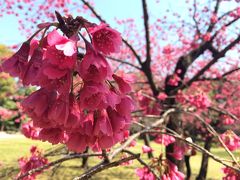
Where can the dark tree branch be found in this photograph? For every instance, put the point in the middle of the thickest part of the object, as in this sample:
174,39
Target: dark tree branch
212,24
221,77
194,17
143,163
213,61
105,165
66,158
147,36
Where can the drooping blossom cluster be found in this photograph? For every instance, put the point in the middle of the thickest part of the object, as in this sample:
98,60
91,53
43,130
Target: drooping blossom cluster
80,102
231,140
26,164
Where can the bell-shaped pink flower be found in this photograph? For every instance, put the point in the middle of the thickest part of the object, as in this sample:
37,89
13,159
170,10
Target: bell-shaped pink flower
94,66
93,96
17,64
123,86
52,135
36,106
77,142
105,39
34,65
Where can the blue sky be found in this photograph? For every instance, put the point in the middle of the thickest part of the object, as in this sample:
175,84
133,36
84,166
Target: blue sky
109,9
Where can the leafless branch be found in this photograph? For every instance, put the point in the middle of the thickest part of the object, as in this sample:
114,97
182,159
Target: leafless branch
105,165
66,158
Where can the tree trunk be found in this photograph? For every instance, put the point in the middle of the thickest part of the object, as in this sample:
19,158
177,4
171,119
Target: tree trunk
175,124
204,165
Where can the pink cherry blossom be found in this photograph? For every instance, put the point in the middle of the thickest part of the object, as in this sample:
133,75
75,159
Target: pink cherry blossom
162,96
146,149
230,174
164,139
26,164
145,174
172,173
123,86
17,64
200,100
231,140
52,135
105,39
94,67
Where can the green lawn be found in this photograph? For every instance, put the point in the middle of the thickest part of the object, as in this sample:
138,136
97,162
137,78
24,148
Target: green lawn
12,149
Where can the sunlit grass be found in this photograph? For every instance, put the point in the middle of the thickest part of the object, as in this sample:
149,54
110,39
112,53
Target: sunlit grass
13,148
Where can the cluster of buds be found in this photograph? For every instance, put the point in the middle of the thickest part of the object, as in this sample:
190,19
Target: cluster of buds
80,102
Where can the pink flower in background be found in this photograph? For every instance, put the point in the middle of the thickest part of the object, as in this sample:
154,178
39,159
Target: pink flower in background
230,174
125,163
105,39
200,100
164,139
172,173
231,140
227,120
174,80
17,64
178,152
26,164
144,174
162,96
146,149
168,49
